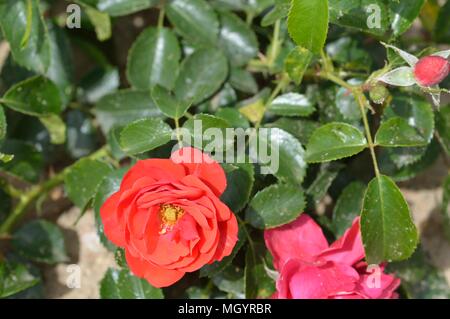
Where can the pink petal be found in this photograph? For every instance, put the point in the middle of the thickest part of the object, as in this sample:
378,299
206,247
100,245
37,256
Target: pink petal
348,249
308,281
302,239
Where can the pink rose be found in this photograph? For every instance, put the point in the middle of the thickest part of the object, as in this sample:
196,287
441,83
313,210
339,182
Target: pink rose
309,268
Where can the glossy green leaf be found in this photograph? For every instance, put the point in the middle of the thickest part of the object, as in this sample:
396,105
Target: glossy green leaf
396,132
83,179
35,55
154,59
201,75
291,104
124,7
98,83
297,62
348,207
40,241
300,128
371,16
233,117
34,96
237,40
403,14
121,284
334,141
279,11
144,135
388,231
347,105
27,162
275,206
100,20
308,23
200,131
15,278
169,104
231,281
240,179
124,107
285,157
195,20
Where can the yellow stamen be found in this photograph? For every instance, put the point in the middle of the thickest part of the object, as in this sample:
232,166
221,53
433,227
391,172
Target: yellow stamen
169,215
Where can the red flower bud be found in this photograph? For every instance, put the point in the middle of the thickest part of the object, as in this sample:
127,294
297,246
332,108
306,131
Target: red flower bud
431,70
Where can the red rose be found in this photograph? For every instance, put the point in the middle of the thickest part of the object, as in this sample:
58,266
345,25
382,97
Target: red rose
168,216
431,70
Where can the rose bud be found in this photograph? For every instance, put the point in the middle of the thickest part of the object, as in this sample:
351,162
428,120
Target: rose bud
431,70
168,216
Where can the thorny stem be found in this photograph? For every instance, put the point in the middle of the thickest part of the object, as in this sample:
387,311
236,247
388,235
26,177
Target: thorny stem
26,199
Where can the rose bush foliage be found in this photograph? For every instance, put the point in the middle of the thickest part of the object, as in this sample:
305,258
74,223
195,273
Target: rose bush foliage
352,94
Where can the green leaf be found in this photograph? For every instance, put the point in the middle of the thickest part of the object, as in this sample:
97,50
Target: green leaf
201,128
243,81
279,11
83,180
109,185
40,241
15,278
34,96
237,39
201,75
154,59
168,103
240,179
346,103
334,141
319,187
275,206
291,104
35,55
300,128
388,231
357,13
144,135
420,279
396,132
195,20
121,284
56,127
233,116
124,107
287,156
231,281
403,14
297,62
27,162
308,23
100,21
117,8
348,207
442,27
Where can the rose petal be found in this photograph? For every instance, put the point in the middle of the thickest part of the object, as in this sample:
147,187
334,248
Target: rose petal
202,166
302,239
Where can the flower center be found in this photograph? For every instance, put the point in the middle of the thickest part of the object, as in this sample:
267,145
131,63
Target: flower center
169,215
